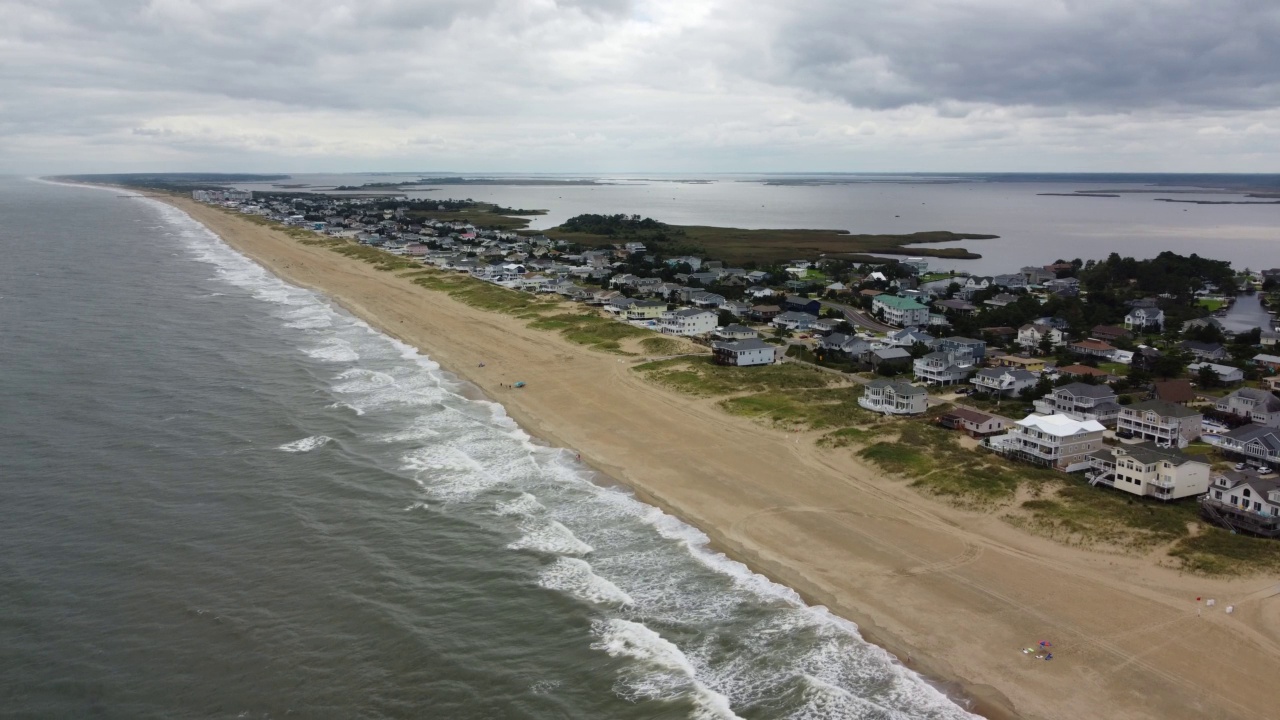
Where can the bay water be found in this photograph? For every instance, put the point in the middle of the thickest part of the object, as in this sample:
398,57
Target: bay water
225,497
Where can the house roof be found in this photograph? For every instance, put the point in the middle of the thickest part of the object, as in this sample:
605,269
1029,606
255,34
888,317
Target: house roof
1269,359
1196,346
692,312
892,354
1164,408
736,328
1270,403
1148,453
1017,374
901,303
1060,425
1110,330
1097,392
739,345
797,300
1176,391
899,388
1092,344
972,416
1082,370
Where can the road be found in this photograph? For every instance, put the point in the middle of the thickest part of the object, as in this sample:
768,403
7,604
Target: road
858,317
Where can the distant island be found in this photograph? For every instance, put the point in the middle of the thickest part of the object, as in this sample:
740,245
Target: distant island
742,245
1079,194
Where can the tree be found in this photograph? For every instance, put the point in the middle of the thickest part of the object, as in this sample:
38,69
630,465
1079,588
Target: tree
1207,377
1046,344
724,317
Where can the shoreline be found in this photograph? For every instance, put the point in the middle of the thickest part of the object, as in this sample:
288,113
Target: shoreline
350,283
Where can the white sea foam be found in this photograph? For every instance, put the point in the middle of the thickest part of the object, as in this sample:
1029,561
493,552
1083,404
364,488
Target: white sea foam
660,671
662,566
345,406
525,504
306,444
549,537
417,506
575,577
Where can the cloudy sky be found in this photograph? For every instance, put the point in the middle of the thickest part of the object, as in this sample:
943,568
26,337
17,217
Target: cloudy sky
636,85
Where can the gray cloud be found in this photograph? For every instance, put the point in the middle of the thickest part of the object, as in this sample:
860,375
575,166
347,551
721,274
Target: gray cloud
638,84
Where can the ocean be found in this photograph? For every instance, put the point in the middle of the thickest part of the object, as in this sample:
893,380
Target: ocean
225,497
1035,223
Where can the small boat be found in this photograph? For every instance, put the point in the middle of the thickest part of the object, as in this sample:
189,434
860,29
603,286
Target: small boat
519,384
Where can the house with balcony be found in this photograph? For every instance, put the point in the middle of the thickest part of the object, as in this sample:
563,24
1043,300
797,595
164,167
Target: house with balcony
1082,402
1260,406
1141,319
1032,334
894,398
900,311
854,347
1005,381
1205,352
1148,470
743,353
1243,502
1160,422
1020,362
1258,443
908,337
792,320
944,368
1057,441
687,322
736,332
975,348
643,310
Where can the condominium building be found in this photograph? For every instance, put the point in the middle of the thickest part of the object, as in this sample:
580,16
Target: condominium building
900,311
1161,422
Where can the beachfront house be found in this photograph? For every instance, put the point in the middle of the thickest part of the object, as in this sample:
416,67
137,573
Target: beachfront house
1148,470
894,398
645,310
1058,441
1242,501
1004,381
744,352
1082,402
687,322
1161,422
1259,443
900,311
972,422
944,367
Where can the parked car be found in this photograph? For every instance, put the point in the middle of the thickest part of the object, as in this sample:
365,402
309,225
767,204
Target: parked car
1240,466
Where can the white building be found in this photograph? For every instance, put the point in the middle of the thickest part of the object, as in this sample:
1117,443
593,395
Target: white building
1161,422
744,352
1056,440
1151,471
944,368
1260,406
894,398
1032,334
900,311
688,321
1144,319
1004,381
1225,373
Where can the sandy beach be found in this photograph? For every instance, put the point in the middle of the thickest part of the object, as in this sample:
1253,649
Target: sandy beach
955,594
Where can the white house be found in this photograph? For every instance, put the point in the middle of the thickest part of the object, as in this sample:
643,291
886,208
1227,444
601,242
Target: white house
1057,440
793,320
1143,318
1161,422
900,311
1151,471
1004,381
1260,406
1243,501
894,398
1082,402
944,368
687,321
736,332
744,352
1032,334
1225,373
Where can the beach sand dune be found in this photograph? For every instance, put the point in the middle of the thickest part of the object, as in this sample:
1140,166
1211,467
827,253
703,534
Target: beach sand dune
960,593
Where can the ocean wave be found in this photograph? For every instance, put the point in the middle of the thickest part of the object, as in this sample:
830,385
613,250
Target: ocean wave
306,444
660,671
574,577
550,537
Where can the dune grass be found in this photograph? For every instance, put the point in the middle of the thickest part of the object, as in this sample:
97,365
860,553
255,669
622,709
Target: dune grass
590,329
814,409
661,346
701,377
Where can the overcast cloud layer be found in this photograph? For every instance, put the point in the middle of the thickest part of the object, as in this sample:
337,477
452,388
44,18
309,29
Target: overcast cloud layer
636,85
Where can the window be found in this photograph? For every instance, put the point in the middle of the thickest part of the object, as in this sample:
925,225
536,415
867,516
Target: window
1217,494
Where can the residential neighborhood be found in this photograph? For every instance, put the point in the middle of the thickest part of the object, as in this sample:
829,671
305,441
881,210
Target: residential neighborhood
1075,366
